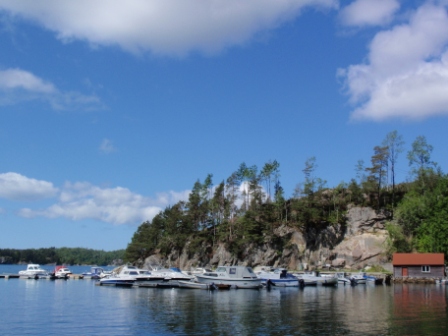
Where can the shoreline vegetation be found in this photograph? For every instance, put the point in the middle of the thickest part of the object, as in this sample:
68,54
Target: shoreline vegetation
249,209
61,256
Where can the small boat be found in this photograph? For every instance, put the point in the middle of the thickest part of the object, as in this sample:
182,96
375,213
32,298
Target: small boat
61,272
116,280
230,275
172,274
314,278
140,275
278,277
342,279
358,278
94,273
373,279
33,271
195,285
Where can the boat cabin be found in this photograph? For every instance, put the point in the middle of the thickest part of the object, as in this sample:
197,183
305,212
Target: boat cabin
418,265
233,272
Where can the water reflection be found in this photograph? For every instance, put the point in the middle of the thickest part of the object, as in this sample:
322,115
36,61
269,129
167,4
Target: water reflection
79,308
419,309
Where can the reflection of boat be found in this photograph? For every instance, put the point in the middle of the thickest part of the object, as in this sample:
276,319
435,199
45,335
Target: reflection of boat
230,275
250,286
278,277
34,271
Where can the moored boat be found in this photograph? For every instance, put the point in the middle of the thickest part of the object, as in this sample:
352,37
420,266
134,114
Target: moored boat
358,278
94,273
230,275
116,280
373,279
278,277
33,271
194,285
314,278
61,272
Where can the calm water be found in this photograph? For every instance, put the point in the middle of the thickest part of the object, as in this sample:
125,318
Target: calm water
78,307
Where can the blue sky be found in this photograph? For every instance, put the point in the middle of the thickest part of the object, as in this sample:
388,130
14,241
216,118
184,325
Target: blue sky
111,110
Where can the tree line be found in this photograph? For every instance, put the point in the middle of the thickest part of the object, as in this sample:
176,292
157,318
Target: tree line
61,256
249,206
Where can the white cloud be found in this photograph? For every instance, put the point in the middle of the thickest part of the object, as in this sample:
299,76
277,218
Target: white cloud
20,79
369,12
118,205
18,85
17,187
107,146
406,74
173,27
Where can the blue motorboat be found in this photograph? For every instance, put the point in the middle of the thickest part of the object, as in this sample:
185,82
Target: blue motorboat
278,277
94,273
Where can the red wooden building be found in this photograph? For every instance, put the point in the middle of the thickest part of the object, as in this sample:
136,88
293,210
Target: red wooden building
419,265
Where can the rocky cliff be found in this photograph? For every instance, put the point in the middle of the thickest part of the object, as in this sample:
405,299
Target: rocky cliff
358,243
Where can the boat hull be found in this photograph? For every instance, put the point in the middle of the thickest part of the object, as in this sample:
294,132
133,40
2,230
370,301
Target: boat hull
241,282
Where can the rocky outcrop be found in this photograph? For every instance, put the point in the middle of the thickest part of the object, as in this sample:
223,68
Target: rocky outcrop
358,243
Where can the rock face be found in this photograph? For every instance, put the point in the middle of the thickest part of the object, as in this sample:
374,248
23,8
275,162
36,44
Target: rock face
359,243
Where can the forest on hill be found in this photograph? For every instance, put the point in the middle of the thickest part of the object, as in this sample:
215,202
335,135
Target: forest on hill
61,256
250,205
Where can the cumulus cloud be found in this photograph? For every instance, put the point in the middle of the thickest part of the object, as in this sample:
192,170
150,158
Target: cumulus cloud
406,73
20,79
368,12
18,85
173,27
17,187
81,200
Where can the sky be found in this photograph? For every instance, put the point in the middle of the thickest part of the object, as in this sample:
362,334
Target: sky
111,110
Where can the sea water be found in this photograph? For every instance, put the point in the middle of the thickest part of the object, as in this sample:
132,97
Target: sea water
79,307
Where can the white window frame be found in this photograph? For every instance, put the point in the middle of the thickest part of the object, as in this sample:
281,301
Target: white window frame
426,269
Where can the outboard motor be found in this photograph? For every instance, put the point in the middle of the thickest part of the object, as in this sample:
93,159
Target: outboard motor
301,283
353,282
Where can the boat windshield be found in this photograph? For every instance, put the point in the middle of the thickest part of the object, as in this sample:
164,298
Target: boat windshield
221,269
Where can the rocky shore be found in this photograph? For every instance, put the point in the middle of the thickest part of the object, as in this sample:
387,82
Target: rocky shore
359,243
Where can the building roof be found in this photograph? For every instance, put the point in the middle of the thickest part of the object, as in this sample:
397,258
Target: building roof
417,259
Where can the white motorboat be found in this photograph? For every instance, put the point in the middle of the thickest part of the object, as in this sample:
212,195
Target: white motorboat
278,277
170,274
117,280
33,271
359,278
140,275
314,278
195,285
342,279
62,272
240,276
